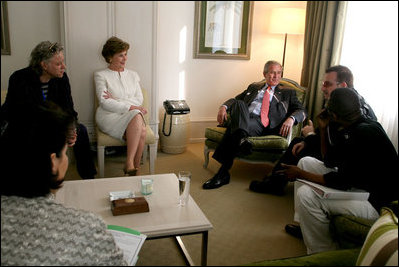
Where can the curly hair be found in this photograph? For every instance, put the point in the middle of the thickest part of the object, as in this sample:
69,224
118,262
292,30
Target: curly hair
43,52
112,46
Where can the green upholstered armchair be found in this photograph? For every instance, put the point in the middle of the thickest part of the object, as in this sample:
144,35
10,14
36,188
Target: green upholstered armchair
267,148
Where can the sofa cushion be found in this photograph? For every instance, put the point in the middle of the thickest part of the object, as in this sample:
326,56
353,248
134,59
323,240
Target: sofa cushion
215,133
350,231
381,245
268,142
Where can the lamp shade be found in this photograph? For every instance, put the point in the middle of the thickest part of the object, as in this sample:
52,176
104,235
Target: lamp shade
287,20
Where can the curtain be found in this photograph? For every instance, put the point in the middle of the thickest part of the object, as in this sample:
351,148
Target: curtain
357,52
325,21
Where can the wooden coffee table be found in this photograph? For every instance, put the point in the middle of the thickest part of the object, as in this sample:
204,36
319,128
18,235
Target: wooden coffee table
165,218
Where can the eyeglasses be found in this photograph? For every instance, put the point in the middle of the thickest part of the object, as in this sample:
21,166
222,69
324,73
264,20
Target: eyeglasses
328,83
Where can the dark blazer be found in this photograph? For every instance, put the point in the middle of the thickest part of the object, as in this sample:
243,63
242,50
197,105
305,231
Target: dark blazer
283,105
24,87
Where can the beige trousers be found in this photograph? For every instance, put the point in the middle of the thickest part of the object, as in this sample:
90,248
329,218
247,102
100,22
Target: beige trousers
314,213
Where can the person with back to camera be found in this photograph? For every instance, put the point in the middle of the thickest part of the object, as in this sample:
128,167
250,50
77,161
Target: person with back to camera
309,143
43,80
251,116
360,156
120,111
35,230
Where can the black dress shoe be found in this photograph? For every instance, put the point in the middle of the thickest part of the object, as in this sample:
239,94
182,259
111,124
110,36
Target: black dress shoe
294,230
266,187
245,147
217,181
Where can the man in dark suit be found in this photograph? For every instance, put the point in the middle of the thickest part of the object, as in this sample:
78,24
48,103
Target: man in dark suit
250,115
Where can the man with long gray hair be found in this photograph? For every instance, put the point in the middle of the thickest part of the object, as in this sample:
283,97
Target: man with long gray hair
44,80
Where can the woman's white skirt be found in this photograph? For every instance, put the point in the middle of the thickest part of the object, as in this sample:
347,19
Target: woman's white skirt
114,124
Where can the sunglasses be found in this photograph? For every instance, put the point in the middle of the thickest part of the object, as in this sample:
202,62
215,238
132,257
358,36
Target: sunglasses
328,84
53,47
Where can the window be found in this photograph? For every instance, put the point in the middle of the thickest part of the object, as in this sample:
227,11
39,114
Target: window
370,50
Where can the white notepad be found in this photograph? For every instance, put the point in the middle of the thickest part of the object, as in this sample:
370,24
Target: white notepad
129,241
330,193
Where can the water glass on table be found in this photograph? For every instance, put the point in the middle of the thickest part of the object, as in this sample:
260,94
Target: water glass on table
184,187
147,186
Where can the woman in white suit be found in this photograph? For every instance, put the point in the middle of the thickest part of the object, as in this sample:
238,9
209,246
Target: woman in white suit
120,112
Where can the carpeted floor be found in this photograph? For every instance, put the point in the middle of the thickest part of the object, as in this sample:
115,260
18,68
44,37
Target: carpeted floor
247,226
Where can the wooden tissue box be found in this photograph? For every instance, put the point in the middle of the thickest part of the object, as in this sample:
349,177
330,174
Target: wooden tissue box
129,206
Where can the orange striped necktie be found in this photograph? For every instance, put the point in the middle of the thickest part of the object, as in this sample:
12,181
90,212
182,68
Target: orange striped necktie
264,111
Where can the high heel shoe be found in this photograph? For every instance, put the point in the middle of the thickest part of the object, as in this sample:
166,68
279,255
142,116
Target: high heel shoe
130,172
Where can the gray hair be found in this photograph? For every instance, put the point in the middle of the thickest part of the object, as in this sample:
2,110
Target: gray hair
44,51
270,63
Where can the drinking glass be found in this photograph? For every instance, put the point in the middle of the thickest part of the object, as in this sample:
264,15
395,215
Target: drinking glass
147,186
184,187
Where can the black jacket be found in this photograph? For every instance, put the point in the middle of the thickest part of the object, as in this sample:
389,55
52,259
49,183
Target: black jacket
366,159
24,87
314,140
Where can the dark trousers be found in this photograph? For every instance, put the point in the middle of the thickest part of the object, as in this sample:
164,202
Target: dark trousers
83,155
241,124
312,150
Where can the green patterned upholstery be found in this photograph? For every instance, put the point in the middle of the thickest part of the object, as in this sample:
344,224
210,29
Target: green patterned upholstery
350,231
365,243
262,142
344,257
381,245
265,148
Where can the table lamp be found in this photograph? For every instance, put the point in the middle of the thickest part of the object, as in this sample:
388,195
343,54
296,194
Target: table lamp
287,21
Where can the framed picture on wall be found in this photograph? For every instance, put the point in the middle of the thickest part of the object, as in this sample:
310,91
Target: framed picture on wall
5,37
223,29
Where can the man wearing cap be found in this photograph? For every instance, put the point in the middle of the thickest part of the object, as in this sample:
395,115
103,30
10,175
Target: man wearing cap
358,156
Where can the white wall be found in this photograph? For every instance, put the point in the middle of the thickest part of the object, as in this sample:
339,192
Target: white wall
83,37
88,25
154,31
29,24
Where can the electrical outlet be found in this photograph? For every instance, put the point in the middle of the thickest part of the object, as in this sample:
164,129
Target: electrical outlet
91,131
